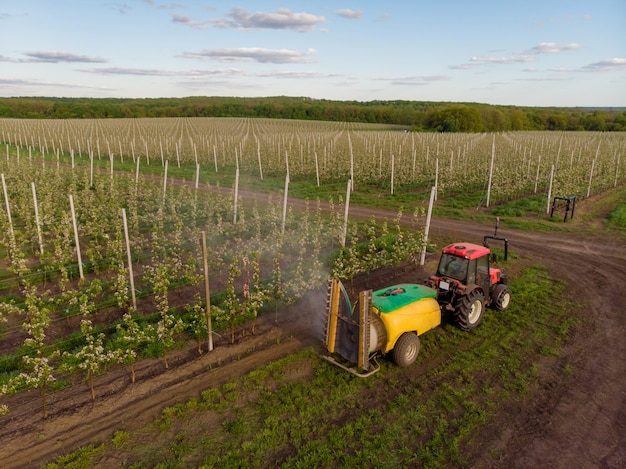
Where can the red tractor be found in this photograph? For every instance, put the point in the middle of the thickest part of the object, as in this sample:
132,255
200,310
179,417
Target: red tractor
390,320
466,282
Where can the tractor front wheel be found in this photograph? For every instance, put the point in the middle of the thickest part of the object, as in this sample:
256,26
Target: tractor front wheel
406,350
501,297
469,310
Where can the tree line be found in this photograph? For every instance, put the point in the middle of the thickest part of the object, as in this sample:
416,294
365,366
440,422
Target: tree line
414,115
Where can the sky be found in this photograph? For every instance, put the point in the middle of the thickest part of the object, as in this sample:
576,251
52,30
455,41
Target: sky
524,53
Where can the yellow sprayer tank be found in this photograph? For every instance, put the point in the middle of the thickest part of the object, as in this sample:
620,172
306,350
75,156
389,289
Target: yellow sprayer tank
401,308
390,319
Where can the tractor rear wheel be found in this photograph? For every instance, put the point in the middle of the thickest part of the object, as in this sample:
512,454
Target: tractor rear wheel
501,297
469,310
406,350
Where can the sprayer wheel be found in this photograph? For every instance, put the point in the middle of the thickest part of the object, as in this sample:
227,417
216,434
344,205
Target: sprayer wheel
406,350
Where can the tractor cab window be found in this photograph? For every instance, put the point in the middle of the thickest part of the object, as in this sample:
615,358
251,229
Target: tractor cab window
482,272
453,266
471,272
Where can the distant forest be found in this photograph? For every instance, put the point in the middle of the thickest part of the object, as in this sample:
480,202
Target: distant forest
413,115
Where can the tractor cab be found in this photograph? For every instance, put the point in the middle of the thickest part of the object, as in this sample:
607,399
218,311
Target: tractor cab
465,264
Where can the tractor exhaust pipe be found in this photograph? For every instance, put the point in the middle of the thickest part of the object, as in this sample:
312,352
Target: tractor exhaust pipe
497,238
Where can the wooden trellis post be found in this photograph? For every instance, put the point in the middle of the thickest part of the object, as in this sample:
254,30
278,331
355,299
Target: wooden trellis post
207,292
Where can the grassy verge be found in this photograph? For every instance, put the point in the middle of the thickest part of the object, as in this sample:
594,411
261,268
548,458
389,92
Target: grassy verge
303,412
617,218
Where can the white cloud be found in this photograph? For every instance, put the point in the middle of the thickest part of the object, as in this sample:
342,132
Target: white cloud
186,21
204,73
43,83
463,66
560,70
162,73
56,57
4,58
171,6
291,75
127,71
503,60
553,48
350,14
283,18
415,80
608,65
518,57
542,78
252,54
52,57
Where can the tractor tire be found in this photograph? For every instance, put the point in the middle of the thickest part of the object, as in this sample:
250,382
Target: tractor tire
406,350
469,310
501,297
